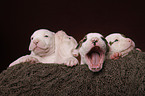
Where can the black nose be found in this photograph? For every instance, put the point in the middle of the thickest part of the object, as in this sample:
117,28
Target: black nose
94,42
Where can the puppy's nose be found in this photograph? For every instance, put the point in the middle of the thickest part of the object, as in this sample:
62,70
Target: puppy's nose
94,40
35,41
128,39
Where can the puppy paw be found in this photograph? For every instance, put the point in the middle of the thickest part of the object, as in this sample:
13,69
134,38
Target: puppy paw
71,61
29,59
115,55
138,49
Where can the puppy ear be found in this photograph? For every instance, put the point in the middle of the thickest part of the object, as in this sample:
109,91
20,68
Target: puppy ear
53,33
80,43
123,35
107,47
61,31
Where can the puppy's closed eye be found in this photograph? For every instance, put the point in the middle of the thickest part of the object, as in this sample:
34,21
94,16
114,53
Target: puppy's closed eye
70,37
116,40
32,38
111,43
46,36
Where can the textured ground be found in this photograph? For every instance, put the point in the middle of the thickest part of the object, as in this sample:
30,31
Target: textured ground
125,76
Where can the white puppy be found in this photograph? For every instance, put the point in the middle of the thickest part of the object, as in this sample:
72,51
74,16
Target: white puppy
65,49
93,48
42,47
119,45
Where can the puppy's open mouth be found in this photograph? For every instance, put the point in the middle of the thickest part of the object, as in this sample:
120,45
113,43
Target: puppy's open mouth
94,58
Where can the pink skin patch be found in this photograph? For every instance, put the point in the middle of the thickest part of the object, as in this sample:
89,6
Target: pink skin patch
95,58
138,49
29,59
116,55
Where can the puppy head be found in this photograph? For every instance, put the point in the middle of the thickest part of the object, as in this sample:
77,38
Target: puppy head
119,43
93,48
66,44
42,42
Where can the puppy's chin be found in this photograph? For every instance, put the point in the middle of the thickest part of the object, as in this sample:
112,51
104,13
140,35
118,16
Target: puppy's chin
127,50
94,58
40,51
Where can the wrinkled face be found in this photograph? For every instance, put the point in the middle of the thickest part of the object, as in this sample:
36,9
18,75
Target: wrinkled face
67,43
42,41
119,43
93,48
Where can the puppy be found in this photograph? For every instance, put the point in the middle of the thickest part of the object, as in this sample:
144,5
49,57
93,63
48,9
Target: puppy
93,48
42,47
119,45
65,49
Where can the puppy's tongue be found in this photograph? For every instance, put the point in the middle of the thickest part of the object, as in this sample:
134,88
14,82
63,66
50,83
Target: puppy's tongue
95,60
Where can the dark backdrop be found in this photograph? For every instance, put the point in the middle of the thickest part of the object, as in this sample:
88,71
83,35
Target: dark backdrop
21,18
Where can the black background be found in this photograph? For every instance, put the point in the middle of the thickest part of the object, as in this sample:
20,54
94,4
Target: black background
20,18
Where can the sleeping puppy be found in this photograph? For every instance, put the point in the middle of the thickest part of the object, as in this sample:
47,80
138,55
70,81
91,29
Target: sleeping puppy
65,49
119,45
93,48
42,47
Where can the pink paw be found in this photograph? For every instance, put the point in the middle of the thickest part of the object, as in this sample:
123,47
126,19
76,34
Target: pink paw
115,55
71,62
29,59
138,49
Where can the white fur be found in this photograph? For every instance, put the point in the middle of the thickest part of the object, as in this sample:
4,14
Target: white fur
88,45
119,45
48,47
65,49
42,47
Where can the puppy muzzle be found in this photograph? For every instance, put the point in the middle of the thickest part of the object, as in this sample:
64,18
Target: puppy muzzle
94,40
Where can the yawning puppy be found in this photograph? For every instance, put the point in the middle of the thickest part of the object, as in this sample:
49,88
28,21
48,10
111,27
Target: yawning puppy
65,49
119,45
42,47
93,48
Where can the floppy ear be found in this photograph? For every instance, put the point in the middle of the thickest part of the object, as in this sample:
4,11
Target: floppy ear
123,35
107,47
80,43
53,33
